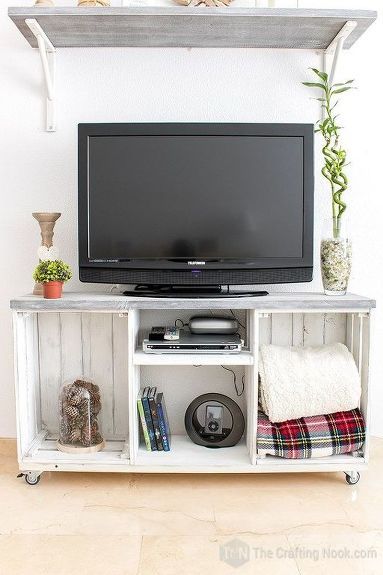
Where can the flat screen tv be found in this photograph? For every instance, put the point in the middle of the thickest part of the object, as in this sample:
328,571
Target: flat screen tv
195,205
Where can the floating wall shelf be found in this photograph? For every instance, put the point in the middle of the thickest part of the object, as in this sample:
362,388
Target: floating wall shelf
49,28
191,28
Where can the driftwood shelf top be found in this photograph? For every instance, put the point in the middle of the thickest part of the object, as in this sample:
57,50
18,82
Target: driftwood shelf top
191,27
118,303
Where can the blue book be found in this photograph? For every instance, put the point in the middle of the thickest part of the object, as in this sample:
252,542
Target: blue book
153,410
148,419
163,421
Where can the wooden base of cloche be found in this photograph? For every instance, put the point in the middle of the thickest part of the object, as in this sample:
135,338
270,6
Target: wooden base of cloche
80,449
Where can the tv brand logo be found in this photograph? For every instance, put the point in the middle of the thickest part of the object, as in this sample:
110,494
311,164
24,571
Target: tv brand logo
196,263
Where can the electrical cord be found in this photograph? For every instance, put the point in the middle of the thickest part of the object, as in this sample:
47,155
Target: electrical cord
235,381
235,317
239,393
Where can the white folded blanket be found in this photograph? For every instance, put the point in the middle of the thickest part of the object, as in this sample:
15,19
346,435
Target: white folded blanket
302,381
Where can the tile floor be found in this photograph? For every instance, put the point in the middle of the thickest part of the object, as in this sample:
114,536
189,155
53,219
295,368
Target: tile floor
100,524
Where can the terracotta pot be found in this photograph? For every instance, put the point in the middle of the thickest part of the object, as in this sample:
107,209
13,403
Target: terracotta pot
52,290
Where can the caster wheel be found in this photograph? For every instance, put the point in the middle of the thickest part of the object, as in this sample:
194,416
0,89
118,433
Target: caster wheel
32,479
352,479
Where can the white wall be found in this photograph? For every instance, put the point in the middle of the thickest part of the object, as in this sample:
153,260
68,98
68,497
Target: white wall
38,169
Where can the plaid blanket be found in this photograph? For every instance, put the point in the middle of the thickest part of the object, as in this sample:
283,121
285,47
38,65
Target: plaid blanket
316,436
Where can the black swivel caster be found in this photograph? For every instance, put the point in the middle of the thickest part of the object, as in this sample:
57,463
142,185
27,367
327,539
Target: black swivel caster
31,478
352,478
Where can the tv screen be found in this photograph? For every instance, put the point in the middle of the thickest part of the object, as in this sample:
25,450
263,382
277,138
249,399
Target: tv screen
166,196
195,197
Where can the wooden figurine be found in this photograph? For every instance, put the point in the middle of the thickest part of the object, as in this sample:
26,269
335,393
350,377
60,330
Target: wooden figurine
44,3
46,250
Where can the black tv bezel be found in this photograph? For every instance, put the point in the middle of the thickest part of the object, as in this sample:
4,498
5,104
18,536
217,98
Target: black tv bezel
178,271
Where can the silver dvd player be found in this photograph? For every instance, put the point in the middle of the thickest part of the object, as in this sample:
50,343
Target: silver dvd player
192,343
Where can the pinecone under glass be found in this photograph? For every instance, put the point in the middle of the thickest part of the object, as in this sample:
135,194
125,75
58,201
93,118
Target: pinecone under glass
80,404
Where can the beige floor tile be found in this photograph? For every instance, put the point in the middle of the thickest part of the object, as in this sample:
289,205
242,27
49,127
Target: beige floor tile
245,555
65,555
184,519
103,504
151,514
337,550
8,456
282,506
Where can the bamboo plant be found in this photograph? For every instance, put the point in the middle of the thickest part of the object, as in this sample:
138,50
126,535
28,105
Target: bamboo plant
333,153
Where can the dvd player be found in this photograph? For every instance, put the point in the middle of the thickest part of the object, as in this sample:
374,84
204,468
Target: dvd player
192,343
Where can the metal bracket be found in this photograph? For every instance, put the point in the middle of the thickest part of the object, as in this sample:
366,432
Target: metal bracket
335,48
48,61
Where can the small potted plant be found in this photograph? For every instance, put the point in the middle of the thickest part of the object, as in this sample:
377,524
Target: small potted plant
52,274
335,245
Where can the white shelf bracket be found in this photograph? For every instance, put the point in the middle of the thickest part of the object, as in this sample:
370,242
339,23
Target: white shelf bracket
48,61
335,48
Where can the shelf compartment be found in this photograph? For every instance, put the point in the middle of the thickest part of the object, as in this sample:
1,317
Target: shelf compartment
187,456
182,384
310,29
44,452
195,382
168,317
243,358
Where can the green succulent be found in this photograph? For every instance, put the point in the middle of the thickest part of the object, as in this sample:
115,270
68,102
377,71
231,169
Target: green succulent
52,271
333,153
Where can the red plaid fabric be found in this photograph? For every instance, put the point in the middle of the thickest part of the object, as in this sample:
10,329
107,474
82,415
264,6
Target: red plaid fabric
307,437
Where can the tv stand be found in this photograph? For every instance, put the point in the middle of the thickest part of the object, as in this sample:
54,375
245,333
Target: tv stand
171,291
100,335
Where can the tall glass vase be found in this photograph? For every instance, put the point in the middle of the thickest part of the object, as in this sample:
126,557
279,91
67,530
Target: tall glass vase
336,258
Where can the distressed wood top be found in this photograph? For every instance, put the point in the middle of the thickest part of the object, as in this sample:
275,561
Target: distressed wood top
105,302
178,26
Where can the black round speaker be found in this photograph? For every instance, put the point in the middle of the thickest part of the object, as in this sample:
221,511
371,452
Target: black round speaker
214,420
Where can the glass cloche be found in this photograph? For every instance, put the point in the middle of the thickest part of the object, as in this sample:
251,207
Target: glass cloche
79,409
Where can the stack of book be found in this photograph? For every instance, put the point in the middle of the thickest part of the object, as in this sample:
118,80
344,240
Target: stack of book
154,420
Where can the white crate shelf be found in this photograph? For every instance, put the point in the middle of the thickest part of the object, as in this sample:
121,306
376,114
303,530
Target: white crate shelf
99,335
185,454
45,455
243,358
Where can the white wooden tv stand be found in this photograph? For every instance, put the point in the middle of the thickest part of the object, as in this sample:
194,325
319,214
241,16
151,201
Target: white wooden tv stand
98,335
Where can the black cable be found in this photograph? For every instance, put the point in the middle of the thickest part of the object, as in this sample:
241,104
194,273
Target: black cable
235,381
182,322
235,317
